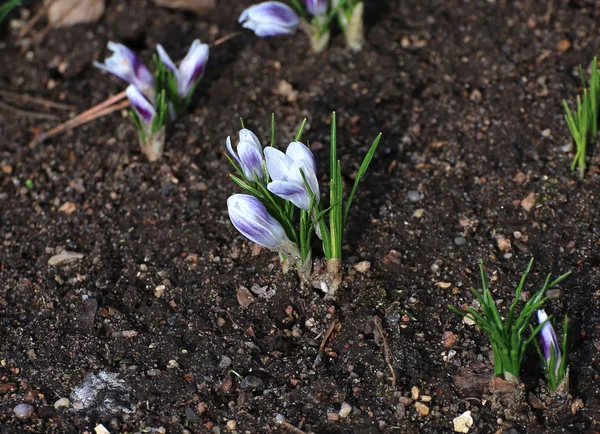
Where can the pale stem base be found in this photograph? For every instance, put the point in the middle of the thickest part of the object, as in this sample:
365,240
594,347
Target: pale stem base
154,146
355,33
318,42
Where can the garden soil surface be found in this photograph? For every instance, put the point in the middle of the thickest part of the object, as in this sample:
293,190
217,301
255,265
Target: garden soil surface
145,332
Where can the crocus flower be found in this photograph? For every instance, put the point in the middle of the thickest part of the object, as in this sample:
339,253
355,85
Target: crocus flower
191,68
549,341
127,66
284,170
270,18
249,154
250,217
316,7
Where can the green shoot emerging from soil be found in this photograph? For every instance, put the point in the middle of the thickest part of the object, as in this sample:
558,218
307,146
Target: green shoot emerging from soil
507,336
583,121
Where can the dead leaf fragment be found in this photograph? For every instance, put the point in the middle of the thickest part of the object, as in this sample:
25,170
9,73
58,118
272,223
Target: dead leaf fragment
199,7
244,297
64,13
64,257
528,202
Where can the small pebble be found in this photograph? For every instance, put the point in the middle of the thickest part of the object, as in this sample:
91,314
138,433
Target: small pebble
503,244
23,411
159,291
345,410
419,213
414,393
463,422
232,424
225,362
422,408
401,410
62,402
414,195
554,294
460,241
333,416
363,267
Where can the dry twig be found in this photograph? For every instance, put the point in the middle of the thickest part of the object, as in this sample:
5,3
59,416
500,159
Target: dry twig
386,349
27,113
327,334
34,100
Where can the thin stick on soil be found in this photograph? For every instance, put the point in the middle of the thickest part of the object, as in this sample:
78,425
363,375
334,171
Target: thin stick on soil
77,121
39,14
46,103
26,113
95,112
386,349
280,420
327,335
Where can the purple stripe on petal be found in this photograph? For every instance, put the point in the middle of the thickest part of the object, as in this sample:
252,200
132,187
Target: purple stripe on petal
140,104
548,336
192,66
250,217
316,7
251,160
292,192
270,18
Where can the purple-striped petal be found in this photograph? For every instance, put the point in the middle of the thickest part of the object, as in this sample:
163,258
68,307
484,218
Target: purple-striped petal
140,104
248,136
549,339
316,7
299,151
250,217
126,65
277,164
192,67
250,160
231,151
166,59
270,18
291,191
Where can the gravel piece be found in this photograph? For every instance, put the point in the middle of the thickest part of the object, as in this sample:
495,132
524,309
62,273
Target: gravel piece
23,411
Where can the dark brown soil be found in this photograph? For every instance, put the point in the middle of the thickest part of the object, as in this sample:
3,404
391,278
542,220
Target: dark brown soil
468,97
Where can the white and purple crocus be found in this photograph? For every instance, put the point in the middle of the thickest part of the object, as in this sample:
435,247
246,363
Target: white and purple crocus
142,107
270,18
126,65
550,346
191,69
250,217
286,171
249,155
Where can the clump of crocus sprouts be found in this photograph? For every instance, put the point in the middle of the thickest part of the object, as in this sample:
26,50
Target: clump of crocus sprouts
553,359
507,331
159,97
272,18
287,209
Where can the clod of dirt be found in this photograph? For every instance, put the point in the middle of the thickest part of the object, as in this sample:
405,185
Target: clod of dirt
474,377
244,297
64,257
198,6
63,13
104,393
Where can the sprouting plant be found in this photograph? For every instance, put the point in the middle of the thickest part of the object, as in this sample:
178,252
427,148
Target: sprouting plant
583,121
314,17
7,7
286,184
169,90
507,335
553,360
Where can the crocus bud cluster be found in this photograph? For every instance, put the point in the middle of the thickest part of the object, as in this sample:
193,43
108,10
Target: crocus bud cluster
272,18
151,96
277,181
